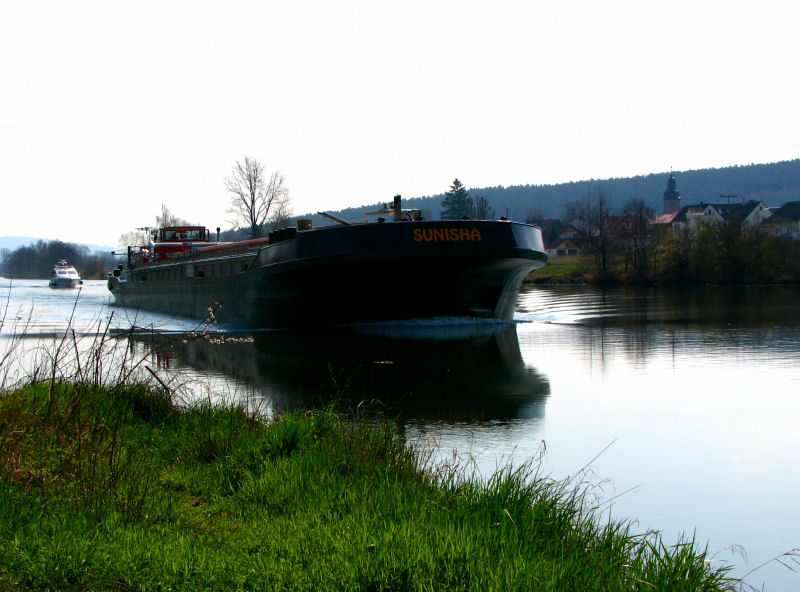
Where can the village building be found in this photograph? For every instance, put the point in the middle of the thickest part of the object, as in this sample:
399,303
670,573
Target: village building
677,217
664,221
672,198
567,243
690,216
566,239
746,213
785,221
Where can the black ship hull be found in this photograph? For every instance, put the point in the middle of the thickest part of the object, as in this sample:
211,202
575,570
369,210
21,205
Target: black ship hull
346,274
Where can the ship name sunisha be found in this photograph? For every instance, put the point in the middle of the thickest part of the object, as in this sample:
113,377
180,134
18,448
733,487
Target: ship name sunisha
393,266
446,234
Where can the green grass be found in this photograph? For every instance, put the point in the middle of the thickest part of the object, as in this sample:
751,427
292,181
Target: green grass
565,269
116,488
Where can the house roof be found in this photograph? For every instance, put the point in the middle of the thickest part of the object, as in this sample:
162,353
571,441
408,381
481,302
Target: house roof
736,211
683,214
788,212
666,218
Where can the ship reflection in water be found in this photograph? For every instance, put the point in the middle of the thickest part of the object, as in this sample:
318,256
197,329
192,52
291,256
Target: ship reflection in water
445,373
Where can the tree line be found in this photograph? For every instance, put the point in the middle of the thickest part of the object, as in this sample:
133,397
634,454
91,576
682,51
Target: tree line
727,252
773,183
36,260
627,246
259,201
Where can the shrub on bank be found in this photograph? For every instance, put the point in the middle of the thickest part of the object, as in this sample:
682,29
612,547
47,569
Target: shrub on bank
117,488
714,253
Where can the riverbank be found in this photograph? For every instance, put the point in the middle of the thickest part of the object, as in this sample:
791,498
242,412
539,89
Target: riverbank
683,260
120,488
563,270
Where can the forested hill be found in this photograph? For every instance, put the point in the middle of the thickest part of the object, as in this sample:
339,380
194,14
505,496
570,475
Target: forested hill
774,184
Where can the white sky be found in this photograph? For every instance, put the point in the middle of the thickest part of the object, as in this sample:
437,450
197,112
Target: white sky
109,109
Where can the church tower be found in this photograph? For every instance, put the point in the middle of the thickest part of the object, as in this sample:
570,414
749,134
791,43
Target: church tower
672,199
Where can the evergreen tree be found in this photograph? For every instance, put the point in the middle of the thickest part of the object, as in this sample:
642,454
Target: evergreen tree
457,203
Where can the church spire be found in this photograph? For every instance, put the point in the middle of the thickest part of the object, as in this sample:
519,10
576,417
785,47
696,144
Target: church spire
672,198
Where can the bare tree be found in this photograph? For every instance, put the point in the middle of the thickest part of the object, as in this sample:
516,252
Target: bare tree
589,217
483,211
132,237
167,218
256,200
637,233
281,214
142,236
535,216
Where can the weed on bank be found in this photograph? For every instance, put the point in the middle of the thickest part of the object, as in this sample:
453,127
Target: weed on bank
117,488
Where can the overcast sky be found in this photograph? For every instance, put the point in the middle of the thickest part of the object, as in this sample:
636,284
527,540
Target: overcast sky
109,109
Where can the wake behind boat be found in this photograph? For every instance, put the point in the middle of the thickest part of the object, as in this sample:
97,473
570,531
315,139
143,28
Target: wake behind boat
64,276
398,267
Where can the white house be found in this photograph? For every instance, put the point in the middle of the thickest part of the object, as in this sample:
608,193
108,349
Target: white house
785,221
752,213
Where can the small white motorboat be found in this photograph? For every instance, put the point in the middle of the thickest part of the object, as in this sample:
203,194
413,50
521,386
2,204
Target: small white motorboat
64,276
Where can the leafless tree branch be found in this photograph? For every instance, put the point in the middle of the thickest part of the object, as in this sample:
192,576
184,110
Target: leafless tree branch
256,200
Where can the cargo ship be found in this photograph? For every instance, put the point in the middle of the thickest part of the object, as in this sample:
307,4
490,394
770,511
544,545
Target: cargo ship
394,266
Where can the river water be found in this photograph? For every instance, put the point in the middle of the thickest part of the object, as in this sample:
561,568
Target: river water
682,408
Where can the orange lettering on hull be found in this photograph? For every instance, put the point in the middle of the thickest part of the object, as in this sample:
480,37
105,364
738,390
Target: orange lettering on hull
436,235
